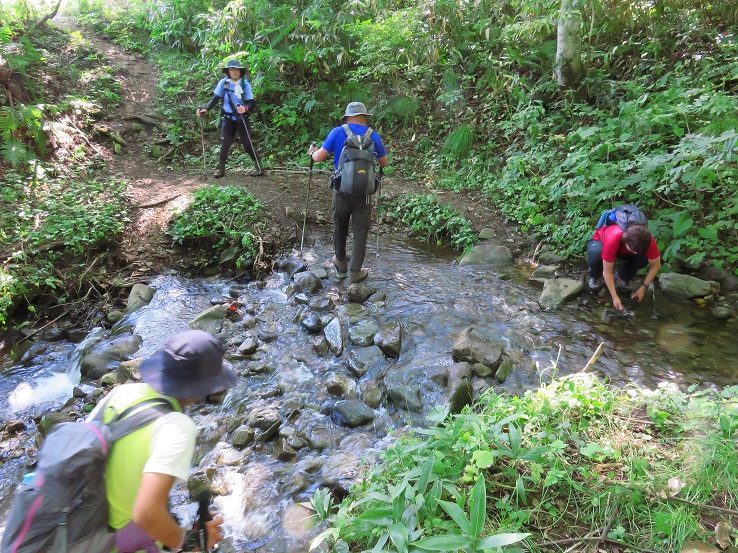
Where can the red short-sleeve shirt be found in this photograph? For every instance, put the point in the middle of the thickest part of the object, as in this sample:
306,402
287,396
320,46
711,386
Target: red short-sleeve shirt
610,236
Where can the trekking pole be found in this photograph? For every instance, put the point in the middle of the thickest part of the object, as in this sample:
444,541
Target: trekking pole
202,140
203,513
307,201
248,137
379,218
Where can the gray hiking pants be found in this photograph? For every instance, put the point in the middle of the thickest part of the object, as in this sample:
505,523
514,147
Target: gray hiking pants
359,210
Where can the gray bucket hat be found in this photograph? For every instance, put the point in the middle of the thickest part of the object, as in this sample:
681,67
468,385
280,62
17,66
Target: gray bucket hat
188,365
233,64
355,108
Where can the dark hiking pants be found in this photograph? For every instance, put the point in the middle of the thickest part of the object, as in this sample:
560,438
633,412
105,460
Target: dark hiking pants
228,131
358,209
628,265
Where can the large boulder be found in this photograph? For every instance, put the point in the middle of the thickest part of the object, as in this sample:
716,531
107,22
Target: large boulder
140,295
487,254
106,356
211,320
559,290
684,287
473,347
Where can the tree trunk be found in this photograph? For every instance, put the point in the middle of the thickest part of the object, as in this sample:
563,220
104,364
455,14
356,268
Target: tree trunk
569,68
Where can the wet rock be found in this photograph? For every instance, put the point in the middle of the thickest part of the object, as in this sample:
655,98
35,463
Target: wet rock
340,386
291,266
198,484
13,427
267,336
548,257
362,333
352,312
482,371
229,457
729,283
545,271
460,370
264,416
322,303
460,394
360,292
269,433
248,322
390,338
243,436
34,351
109,379
438,374
50,420
352,413
319,272
558,291
304,282
319,436
378,297
721,313
283,451
683,287
403,391
334,335
53,334
211,320
248,347
504,370
474,347
361,360
301,299
311,323
140,295
321,346
106,356
487,254
114,316
78,392
371,393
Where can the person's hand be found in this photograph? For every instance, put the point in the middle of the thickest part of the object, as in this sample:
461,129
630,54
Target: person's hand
313,148
616,303
639,294
215,531
201,112
241,109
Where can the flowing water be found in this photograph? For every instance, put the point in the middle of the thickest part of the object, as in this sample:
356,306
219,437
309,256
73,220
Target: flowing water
289,381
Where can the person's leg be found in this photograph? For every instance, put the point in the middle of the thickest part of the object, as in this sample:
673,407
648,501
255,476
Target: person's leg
631,264
226,139
361,218
341,216
594,258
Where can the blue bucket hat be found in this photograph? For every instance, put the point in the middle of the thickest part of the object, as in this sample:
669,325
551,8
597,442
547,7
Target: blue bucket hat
189,365
233,64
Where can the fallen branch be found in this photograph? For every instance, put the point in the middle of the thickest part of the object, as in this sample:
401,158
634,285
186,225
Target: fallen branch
32,334
593,539
45,18
703,505
594,357
160,202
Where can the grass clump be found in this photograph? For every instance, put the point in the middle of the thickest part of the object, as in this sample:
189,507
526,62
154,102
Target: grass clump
49,221
221,217
433,221
575,460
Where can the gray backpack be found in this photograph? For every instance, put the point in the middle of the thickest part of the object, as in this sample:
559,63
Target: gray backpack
355,174
63,507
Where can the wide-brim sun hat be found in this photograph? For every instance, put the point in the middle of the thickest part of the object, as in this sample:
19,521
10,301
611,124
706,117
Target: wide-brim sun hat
355,108
233,64
188,365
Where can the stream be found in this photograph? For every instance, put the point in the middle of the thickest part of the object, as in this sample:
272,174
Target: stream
291,441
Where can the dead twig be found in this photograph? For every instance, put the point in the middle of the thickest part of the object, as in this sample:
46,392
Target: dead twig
160,202
594,357
594,539
703,505
32,334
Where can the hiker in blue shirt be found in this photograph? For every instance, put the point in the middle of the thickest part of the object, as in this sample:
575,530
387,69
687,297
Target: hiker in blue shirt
347,207
237,98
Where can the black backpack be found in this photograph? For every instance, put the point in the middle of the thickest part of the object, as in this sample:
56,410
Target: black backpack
63,507
623,216
355,174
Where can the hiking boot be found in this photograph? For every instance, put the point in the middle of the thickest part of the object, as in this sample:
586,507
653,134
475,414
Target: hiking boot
358,276
594,284
219,170
341,268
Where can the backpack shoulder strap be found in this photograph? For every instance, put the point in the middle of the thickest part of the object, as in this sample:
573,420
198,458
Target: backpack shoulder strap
367,138
139,415
347,130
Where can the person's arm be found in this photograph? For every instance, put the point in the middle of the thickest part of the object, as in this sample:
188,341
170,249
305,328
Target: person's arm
382,161
607,273
214,100
653,268
150,512
317,154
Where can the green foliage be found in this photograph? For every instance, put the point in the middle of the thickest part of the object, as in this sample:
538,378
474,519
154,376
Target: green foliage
221,216
433,221
48,220
459,142
574,455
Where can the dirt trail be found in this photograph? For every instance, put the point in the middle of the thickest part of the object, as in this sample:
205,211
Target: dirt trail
157,191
